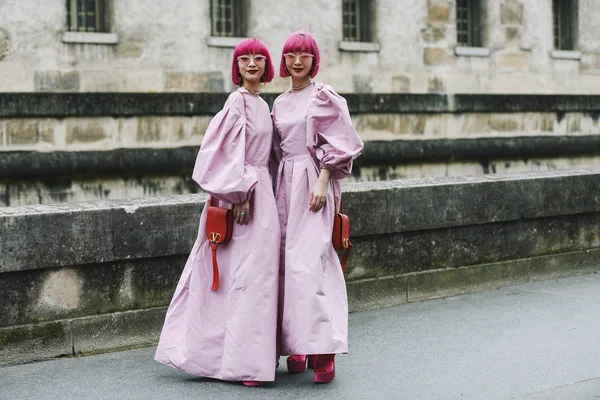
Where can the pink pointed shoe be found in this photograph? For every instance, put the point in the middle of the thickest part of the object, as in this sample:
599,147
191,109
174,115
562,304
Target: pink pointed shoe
252,383
325,368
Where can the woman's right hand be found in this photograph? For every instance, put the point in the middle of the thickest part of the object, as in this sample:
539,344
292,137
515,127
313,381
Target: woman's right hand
241,212
318,194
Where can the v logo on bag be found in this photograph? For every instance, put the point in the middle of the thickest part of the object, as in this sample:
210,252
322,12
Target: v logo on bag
214,237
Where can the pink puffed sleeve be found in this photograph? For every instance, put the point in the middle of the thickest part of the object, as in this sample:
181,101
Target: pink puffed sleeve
220,167
335,141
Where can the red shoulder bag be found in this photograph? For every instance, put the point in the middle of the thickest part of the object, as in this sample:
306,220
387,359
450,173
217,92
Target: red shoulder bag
219,228
341,234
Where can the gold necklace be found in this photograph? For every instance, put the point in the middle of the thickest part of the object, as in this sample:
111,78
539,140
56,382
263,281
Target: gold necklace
297,88
254,92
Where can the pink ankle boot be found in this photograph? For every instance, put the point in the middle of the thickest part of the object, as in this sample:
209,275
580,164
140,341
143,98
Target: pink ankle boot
325,368
296,363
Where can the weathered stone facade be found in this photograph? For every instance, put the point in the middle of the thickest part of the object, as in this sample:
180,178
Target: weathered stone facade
166,46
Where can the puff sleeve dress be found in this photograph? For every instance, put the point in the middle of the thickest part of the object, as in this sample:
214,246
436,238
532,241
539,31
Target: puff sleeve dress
313,129
230,333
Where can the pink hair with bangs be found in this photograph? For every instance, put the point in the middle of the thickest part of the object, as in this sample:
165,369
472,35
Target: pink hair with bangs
251,46
296,42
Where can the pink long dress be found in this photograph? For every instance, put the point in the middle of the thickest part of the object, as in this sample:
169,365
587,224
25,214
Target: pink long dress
313,129
230,333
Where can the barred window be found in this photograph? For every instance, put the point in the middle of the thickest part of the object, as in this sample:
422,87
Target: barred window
356,20
468,23
227,18
565,24
87,15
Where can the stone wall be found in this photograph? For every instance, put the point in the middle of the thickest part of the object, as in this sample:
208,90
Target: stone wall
66,176
109,133
166,46
70,147
94,121
90,277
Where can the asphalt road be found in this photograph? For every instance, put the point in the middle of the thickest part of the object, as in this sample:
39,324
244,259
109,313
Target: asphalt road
530,342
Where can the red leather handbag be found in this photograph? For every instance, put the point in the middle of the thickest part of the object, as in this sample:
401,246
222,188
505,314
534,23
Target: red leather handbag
341,234
219,228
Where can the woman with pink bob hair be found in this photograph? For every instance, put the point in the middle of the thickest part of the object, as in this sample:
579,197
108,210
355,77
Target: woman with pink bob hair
230,333
315,144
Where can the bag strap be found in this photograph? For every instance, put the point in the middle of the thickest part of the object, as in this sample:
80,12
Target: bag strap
345,256
215,283
213,246
347,251
337,209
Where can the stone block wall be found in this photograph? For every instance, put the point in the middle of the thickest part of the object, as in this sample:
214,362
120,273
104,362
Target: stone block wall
89,277
109,133
167,47
100,133
94,121
70,147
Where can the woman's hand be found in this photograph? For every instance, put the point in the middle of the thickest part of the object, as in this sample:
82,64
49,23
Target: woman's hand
241,212
318,196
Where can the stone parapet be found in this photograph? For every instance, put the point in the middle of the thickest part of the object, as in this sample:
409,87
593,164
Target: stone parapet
89,277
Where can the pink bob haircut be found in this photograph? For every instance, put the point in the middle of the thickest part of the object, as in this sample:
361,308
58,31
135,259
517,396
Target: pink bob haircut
251,46
296,42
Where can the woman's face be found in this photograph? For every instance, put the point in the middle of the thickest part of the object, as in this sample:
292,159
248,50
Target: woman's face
298,63
252,67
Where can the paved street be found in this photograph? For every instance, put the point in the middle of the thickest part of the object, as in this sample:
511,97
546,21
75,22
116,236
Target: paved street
530,342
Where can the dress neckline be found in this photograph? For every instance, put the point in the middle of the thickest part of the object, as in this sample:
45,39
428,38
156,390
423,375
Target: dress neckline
291,90
242,89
